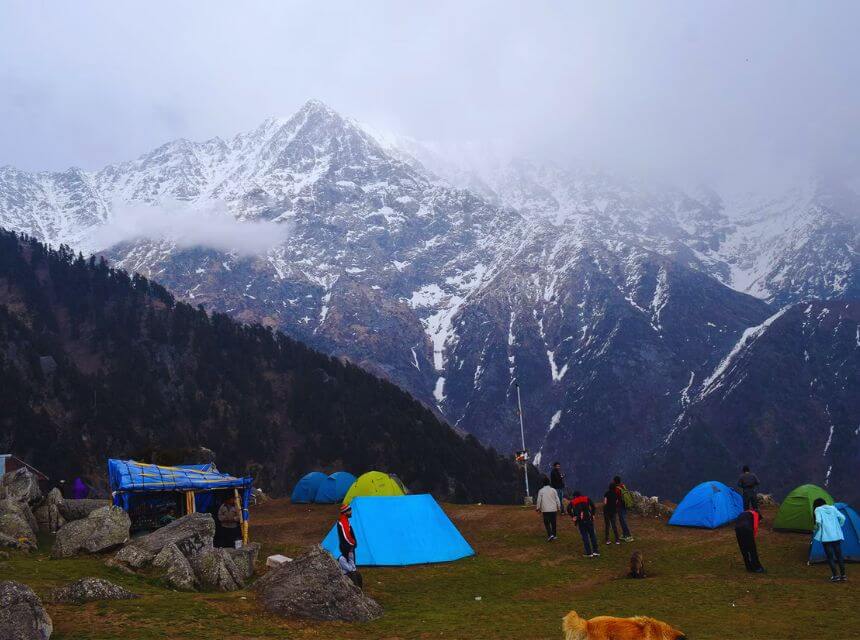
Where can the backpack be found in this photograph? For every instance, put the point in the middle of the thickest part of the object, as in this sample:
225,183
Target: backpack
626,496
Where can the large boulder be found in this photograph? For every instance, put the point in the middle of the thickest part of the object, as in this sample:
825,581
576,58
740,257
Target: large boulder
48,515
191,534
20,544
21,522
102,530
314,587
650,507
178,572
80,509
245,558
21,485
89,590
22,616
216,571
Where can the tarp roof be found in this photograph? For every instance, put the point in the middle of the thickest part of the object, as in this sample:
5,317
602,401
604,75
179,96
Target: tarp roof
129,475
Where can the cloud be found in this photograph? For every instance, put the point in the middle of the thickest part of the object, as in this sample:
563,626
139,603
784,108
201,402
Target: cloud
189,225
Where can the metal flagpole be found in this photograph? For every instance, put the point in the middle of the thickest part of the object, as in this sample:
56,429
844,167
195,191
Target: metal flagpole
523,438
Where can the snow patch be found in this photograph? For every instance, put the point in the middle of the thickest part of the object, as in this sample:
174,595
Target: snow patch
556,418
439,390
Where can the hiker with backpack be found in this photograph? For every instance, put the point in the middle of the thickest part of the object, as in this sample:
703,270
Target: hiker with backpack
625,501
828,531
748,483
548,505
582,510
746,530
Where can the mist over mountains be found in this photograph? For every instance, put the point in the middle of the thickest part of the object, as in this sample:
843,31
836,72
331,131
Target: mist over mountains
638,318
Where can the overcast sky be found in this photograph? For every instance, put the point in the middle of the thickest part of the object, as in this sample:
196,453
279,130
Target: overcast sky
762,86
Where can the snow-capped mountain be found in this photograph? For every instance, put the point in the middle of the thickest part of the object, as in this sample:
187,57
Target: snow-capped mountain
610,301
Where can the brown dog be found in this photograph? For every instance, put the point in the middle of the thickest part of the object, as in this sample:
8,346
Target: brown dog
637,565
609,628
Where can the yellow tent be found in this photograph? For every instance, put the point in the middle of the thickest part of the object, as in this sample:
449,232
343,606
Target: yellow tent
375,483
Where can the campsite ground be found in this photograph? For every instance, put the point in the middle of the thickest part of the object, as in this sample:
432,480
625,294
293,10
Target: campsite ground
525,586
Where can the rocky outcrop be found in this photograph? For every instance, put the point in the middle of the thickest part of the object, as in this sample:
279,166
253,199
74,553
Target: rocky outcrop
21,485
90,590
80,509
313,587
183,550
245,558
767,500
101,530
17,521
650,507
20,544
22,616
49,513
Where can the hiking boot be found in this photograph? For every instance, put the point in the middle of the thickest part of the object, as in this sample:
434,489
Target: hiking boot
834,579
628,539
595,555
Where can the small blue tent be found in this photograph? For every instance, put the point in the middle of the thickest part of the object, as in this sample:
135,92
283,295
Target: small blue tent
334,488
306,488
135,484
710,505
401,530
851,543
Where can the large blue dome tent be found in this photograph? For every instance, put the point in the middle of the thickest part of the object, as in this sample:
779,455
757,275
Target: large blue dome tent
401,530
851,543
709,505
306,489
333,489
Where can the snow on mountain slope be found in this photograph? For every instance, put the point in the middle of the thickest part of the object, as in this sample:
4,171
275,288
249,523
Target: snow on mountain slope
604,298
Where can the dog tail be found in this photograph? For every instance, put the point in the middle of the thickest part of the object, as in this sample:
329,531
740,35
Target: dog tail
574,627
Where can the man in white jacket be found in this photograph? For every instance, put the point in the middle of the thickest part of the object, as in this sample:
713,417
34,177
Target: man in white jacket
548,504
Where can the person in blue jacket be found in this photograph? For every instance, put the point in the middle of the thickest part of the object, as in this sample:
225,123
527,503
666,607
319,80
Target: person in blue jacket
828,531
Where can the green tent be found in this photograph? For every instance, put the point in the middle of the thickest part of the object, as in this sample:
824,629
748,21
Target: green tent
375,483
795,512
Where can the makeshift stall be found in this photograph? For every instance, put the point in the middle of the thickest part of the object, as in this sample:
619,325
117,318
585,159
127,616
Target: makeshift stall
151,493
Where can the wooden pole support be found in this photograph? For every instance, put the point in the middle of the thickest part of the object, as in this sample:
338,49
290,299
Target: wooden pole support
189,502
242,523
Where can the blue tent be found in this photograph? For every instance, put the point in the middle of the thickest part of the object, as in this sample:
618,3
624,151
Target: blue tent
334,488
710,505
401,530
851,543
133,483
306,488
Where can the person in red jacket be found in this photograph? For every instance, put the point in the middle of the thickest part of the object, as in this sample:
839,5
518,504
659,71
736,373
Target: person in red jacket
348,543
582,510
746,530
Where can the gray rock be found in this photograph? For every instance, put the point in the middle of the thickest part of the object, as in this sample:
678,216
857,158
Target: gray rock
245,558
133,556
22,616
90,590
14,543
191,534
313,587
14,526
650,507
766,500
20,510
48,515
103,529
216,571
80,509
21,485
178,571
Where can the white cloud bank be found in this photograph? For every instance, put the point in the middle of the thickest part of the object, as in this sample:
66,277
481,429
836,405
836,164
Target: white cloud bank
211,226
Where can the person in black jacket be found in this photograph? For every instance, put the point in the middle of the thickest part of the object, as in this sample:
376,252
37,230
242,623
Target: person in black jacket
347,543
748,483
610,513
746,529
582,510
556,480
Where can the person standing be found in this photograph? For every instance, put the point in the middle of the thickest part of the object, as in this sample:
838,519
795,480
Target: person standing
556,481
748,483
746,530
828,531
610,511
228,518
582,510
548,504
347,544
623,498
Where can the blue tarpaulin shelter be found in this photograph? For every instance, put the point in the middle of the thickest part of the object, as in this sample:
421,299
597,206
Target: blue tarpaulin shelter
134,482
710,505
851,543
306,488
401,530
334,488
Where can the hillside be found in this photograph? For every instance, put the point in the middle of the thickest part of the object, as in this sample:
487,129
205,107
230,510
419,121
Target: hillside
95,363
517,586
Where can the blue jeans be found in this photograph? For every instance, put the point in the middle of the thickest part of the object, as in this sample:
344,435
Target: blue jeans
622,518
589,539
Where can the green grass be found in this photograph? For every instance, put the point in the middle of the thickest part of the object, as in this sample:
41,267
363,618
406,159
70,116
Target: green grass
525,585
